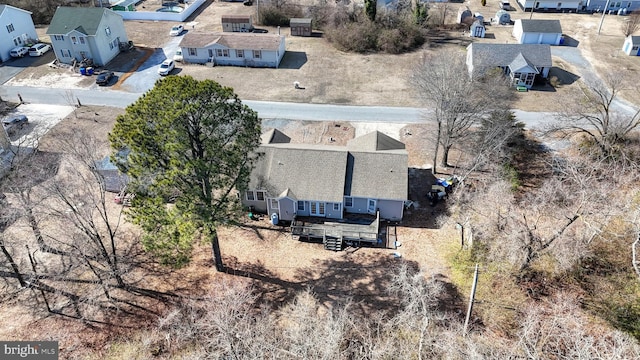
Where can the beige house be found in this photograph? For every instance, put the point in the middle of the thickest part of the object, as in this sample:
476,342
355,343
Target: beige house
237,23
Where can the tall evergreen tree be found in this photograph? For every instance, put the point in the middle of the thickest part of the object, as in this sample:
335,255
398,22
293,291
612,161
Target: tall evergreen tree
370,8
192,143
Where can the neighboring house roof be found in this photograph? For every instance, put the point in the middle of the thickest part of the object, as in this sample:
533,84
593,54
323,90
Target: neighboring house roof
236,18
541,26
372,166
84,20
5,7
492,55
274,136
634,39
232,40
299,21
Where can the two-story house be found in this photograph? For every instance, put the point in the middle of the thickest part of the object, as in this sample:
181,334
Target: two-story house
17,30
86,33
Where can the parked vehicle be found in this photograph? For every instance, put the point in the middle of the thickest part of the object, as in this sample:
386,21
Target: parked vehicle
39,49
18,52
504,5
14,123
166,67
178,56
247,2
176,30
104,78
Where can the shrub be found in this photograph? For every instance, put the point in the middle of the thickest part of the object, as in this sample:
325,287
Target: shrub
357,37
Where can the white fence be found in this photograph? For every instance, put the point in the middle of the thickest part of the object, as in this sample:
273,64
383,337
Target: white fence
189,9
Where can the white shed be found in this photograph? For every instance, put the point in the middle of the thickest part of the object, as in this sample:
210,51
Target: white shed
631,45
502,17
537,31
477,29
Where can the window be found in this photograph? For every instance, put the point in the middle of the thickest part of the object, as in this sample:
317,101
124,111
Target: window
260,195
10,28
107,30
194,52
15,41
81,40
348,201
274,203
336,207
321,208
635,47
239,53
225,52
300,205
250,196
219,52
65,52
58,37
257,54
74,40
110,46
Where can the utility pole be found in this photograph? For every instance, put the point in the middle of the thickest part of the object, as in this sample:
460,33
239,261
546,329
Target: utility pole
604,12
471,300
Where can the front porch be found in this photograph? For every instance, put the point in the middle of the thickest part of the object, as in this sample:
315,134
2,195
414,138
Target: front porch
352,231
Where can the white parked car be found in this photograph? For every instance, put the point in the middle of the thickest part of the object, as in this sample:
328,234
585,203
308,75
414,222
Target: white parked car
176,30
166,67
39,49
18,52
178,56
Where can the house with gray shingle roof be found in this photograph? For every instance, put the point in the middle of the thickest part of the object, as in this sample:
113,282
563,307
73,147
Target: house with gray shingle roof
631,45
523,63
368,175
236,49
86,33
537,31
17,30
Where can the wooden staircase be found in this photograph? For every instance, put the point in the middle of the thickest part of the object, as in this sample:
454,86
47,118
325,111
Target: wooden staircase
333,243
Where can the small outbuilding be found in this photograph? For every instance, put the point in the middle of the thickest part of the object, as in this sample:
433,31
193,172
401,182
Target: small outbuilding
477,29
537,31
301,26
237,23
632,45
465,16
502,17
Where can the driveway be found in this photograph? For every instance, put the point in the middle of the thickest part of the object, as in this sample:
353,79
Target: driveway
14,67
146,75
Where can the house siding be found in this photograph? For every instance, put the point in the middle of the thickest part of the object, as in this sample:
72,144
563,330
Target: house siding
23,30
550,5
628,47
268,58
391,209
599,5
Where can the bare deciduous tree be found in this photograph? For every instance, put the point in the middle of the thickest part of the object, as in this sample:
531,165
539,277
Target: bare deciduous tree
631,24
599,114
458,101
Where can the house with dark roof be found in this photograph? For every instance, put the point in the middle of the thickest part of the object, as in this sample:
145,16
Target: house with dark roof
79,33
523,63
367,176
535,31
17,30
236,49
631,45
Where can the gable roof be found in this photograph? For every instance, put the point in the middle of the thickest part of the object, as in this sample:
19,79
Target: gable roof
84,20
5,7
374,141
274,136
520,63
236,19
328,173
232,40
300,21
492,55
541,26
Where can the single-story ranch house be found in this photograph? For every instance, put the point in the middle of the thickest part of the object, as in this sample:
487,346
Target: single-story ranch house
236,49
368,175
521,62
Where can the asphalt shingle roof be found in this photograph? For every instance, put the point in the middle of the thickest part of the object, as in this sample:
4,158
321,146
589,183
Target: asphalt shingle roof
492,55
231,40
84,20
378,168
541,26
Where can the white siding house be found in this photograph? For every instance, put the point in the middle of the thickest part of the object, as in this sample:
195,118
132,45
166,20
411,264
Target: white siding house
86,33
551,5
599,5
236,49
537,31
17,30
631,45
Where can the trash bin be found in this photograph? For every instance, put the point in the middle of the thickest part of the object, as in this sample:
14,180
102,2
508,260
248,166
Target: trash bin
274,219
83,71
89,71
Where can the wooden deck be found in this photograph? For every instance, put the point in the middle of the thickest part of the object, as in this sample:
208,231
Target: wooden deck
335,233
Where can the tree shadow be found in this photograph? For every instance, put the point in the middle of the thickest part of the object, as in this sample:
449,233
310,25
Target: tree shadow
563,76
423,212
